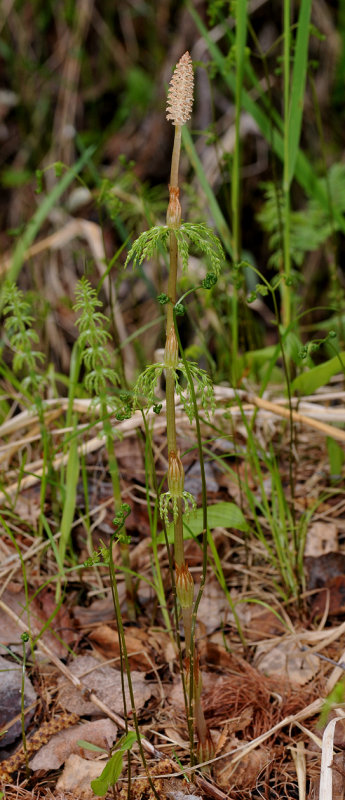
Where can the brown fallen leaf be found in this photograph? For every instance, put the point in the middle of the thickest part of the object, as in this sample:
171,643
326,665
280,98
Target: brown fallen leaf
106,641
213,607
245,774
262,623
322,569
98,611
322,538
101,732
105,681
286,660
331,596
38,615
144,647
77,776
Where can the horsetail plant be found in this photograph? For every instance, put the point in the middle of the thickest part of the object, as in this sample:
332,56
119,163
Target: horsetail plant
99,380
22,339
180,236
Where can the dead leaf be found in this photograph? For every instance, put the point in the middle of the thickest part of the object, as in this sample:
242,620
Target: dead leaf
98,611
44,604
331,596
176,738
213,607
106,641
324,568
262,623
106,682
339,730
77,776
130,456
245,774
322,537
102,733
62,623
176,698
144,647
174,794
287,660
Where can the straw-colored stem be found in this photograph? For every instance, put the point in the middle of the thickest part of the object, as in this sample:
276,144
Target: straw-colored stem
178,537
170,410
187,626
175,158
173,251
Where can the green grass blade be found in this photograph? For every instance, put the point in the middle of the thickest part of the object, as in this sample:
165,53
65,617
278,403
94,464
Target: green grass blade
219,219
304,171
298,84
240,43
54,547
72,475
40,215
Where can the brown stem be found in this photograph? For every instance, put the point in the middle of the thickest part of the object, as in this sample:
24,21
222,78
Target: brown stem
175,159
187,626
170,410
173,220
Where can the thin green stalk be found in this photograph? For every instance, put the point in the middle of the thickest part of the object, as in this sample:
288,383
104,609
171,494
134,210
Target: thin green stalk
25,583
158,577
70,501
159,587
286,299
241,30
25,638
115,480
124,657
199,718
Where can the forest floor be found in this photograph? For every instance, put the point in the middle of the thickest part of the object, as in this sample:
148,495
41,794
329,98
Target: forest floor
263,691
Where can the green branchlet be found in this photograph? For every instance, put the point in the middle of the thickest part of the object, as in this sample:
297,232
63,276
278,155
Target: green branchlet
314,345
147,381
168,504
199,236
101,556
22,337
93,338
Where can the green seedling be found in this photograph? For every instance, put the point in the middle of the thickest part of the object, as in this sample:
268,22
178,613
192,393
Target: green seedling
114,766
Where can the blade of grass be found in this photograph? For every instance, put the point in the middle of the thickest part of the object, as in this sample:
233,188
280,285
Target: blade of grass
298,84
72,475
285,286
219,219
304,171
40,215
240,43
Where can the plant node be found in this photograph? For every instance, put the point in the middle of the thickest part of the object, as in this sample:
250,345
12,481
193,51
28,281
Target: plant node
184,585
